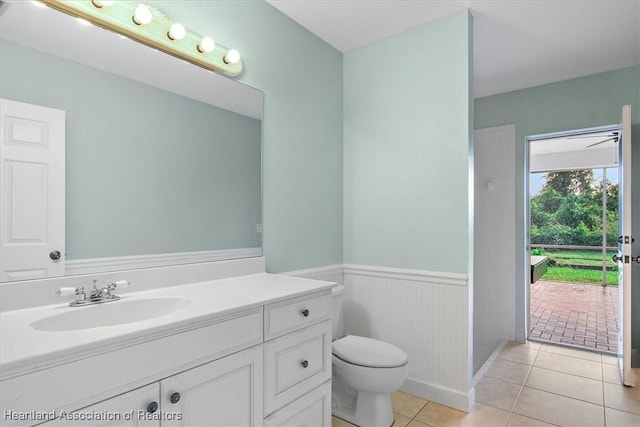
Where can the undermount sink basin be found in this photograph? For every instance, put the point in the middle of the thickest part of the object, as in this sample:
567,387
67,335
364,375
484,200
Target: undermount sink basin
109,314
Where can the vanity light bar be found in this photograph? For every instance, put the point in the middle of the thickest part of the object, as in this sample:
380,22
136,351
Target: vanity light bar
151,27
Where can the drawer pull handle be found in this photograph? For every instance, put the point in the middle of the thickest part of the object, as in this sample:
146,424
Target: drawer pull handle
152,407
175,398
305,363
305,312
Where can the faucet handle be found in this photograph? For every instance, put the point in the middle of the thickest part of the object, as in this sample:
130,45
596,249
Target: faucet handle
78,292
120,284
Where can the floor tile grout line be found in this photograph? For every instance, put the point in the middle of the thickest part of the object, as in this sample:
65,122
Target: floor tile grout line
534,418
564,395
523,385
603,401
569,373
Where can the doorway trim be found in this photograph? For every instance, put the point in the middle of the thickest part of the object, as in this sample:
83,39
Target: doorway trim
525,259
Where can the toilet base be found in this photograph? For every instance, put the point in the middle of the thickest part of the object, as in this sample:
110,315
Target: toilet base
370,410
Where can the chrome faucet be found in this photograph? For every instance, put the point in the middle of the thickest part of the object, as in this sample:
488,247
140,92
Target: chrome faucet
97,296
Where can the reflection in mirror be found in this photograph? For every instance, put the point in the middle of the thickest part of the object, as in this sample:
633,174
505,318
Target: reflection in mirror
162,158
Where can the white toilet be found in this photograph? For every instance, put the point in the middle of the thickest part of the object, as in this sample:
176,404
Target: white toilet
365,373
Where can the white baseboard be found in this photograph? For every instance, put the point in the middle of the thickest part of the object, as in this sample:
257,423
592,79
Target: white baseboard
444,396
101,265
487,364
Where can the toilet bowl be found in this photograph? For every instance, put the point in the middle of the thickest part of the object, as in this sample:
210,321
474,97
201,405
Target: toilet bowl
365,373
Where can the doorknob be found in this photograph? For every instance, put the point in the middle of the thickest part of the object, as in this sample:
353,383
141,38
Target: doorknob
55,255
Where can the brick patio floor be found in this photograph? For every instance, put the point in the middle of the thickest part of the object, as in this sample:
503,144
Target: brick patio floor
576,314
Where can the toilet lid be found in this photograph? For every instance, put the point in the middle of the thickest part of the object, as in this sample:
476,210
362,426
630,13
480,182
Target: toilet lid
368,352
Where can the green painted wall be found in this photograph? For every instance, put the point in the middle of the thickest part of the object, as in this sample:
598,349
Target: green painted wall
573,104
406,149
301,77
147,171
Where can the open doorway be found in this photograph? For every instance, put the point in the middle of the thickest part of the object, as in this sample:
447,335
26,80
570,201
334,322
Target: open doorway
572,195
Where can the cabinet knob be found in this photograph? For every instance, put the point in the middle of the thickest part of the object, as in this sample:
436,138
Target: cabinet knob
55,255
304,363
152,407
175,398
305,312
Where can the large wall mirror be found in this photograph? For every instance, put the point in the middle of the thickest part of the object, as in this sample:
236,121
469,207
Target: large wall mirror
162,159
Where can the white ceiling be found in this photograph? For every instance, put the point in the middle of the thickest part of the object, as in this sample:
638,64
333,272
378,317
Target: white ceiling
517,44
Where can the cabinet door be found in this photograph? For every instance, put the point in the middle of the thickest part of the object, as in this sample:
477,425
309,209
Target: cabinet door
226,392
311,410
137,408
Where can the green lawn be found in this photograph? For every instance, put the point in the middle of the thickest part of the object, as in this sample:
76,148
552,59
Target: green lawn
579,275
575,257
567,262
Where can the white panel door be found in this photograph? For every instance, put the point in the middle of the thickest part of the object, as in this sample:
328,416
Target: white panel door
624,256
226,392
32,191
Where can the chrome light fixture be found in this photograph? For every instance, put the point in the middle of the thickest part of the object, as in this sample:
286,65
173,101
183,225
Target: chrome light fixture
149,26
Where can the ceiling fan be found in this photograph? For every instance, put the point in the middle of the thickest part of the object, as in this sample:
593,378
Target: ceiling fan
613,136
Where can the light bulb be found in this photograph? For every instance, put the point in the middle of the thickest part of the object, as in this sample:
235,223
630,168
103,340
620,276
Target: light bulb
206,45
176,32
232,57
142,15
102,3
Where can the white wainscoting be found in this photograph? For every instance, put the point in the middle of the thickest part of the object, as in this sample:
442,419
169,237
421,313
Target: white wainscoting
100,265
426,314
423,312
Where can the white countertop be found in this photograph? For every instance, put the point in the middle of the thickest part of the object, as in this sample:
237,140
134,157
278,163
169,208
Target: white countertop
23,348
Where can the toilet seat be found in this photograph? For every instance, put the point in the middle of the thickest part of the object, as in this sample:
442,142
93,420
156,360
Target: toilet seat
368,352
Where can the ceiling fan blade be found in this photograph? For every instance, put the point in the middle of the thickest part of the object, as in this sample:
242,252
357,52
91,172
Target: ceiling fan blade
591,136
602,142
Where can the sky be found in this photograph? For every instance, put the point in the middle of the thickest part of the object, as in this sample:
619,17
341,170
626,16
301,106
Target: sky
537,180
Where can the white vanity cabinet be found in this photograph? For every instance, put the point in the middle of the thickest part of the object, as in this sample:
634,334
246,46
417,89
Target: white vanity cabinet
225,392
297,385
119,411
262,362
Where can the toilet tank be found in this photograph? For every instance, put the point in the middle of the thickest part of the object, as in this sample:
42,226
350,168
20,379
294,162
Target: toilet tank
337,295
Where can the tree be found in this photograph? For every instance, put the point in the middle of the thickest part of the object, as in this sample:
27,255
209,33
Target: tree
570,182
568,210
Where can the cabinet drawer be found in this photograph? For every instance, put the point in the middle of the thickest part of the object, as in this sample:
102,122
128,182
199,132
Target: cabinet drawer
295,364
312,409
286,317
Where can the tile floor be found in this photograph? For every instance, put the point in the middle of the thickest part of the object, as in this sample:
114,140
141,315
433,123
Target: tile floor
532,385
576,314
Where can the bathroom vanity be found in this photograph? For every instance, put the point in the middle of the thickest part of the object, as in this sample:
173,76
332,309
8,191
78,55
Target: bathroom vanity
248,350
